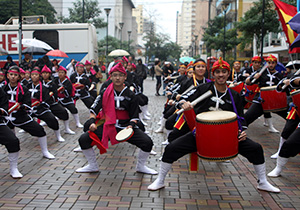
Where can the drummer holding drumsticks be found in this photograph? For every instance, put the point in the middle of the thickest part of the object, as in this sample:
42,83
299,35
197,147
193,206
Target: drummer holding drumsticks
118,106
269,77
225,99
291,146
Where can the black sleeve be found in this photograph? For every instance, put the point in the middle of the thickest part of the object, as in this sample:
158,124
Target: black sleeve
3,101
97,105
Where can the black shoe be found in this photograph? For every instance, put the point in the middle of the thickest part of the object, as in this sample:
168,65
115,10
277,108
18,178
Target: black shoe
157,94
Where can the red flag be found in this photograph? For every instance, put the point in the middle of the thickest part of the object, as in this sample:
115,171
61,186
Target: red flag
286,12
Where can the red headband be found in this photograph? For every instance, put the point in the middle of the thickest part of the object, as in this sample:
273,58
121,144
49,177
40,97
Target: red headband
119,67
22,71
220,64
35,71
46,69
87,63
14,71
62,68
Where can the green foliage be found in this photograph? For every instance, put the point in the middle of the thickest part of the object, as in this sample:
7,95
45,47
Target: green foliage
160,46
250,24
214,35
113,44
10,8
91,13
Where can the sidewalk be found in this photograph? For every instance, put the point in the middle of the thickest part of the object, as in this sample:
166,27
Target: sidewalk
53,184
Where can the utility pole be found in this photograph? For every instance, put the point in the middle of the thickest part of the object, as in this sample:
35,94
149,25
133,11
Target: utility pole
20,31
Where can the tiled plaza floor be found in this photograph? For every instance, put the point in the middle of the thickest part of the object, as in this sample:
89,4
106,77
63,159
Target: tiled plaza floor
53,184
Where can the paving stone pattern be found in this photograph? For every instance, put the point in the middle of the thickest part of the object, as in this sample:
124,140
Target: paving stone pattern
53,184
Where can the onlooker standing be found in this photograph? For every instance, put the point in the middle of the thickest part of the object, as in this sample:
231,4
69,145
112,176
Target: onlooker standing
158,73
70,67
9,63
26,63
94,65
141,71
168,70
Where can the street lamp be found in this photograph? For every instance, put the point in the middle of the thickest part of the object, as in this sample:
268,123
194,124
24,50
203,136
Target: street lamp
121,27
129,33
224,44
107,11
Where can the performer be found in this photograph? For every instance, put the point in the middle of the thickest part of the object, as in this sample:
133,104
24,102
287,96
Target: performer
118,106
224,99
236,73
40,93
16,93
269,77
290,147
292,119
56,108
79,77
91,75
65,95
8,138
2,79
23,80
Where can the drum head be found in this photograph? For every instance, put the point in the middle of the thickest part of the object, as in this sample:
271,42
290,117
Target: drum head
216,117
268,88
124,134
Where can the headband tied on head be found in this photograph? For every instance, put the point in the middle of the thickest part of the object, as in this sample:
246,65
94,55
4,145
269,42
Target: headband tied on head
220,64
87,63
61,68
125,59
79,64
271,58
199,63
119,67
14,70
46,69
256,58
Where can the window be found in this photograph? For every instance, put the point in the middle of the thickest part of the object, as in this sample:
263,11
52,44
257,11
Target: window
48,36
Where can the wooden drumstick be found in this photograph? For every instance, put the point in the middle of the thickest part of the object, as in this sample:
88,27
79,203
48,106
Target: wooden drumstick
196,101
92,87
261,71
188,90
284,86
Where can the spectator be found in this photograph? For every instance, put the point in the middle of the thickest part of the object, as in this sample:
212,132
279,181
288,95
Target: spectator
168,70
94,65
158,73
141,71
26,63
70,67
9,63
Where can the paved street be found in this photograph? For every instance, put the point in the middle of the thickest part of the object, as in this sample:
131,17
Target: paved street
53,184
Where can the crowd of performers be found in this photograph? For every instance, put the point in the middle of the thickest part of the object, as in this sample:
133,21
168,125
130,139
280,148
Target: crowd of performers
120,105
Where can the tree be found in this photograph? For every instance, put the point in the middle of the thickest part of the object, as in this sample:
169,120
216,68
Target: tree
214,35
91,13
250,24
160,46
113,44
10,8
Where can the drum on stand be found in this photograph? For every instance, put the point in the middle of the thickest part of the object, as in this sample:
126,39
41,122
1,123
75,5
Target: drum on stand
296,100
124,134
273,101
217,135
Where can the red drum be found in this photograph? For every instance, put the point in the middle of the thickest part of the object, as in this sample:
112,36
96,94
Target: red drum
252,90
78,86
296,100
217,135
238,88
273,101
190,118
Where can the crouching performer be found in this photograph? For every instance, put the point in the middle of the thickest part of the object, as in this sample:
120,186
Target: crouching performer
117,107
224,99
